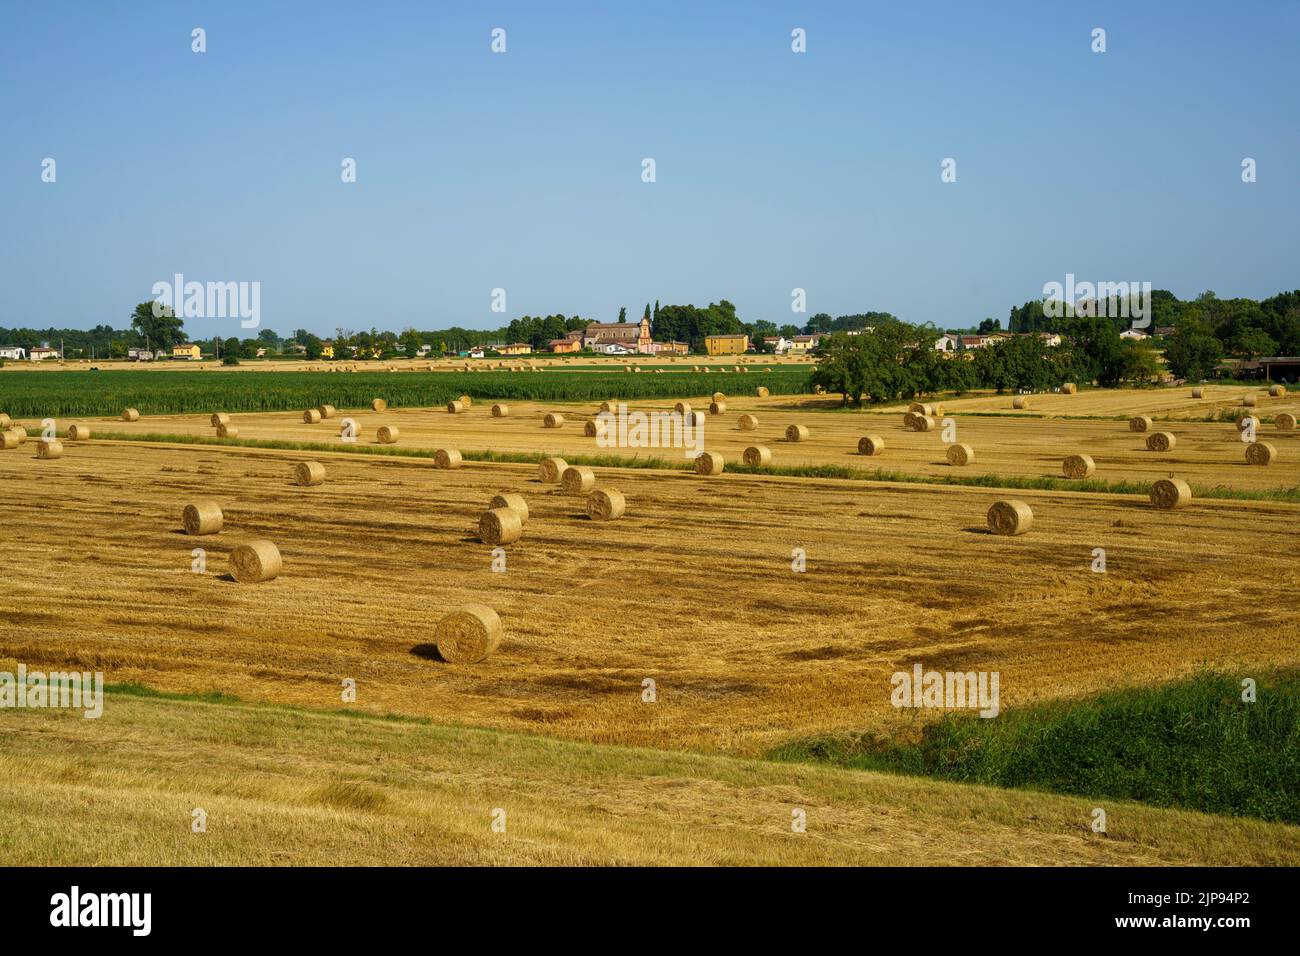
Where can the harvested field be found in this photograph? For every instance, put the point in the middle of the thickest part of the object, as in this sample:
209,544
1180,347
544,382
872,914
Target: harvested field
365,790
807,652
1208,454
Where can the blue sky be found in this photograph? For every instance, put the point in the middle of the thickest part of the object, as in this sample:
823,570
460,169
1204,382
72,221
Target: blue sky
522,170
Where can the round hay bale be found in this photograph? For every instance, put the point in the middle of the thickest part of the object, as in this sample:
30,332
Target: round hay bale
500,526
747,423
1078,466
130,415
455,407
709,463
918,408
5,420
756,455
327,411
1069,388
220,418
871,445
682,408
1249,401
718,397
446,458
605,504
1139,423
378,405
819,390
1020,401
1277,390
387,434
311,416
960,454
549,470
1161,441
308,473
577,480
1260,453
796,433
19,432
924,423
717,408
8,440
79,433
227,431
1169,493
500,411
467,401
350,425
1010,517
593,428
202,517
909,421
512,501
468,634
553,420
1285,422
762,391
255,562
610,406
49,448
1198,393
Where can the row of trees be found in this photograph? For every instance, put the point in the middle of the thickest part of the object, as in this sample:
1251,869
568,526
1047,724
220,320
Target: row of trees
895,360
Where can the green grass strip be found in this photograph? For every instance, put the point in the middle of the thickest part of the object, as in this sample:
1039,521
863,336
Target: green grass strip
1193,744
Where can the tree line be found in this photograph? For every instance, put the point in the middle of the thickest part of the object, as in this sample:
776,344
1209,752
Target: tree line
894,360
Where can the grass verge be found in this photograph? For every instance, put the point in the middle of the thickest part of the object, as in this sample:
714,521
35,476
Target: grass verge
1194,745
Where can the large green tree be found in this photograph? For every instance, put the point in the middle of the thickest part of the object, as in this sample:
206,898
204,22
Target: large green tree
161,331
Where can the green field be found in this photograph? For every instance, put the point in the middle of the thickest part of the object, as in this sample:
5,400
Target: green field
37,394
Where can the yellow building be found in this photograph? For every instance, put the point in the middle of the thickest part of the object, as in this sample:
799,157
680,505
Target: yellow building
726,344
516,348
190,351
327,351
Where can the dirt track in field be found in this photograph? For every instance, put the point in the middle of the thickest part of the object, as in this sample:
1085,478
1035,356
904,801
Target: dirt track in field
693,589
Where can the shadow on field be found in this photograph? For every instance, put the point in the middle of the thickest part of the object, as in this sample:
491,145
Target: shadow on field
428,652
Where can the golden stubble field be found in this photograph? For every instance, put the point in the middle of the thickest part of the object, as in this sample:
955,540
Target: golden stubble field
693,589
1207,454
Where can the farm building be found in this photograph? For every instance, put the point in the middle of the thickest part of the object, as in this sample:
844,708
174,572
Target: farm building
726,344
1281,368
632,337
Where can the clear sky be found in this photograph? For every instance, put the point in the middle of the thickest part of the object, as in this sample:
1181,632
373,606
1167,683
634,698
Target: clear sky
523,170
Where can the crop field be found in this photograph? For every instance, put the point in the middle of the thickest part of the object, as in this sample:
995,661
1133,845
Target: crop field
1163,404
715,622
1209,455
63,394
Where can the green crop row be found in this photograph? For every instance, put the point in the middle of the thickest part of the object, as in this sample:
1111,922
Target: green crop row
80,393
